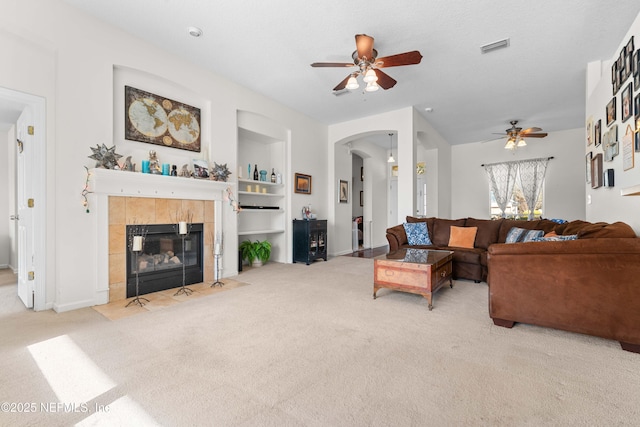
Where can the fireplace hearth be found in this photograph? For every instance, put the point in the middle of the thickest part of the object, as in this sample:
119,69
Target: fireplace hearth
160,264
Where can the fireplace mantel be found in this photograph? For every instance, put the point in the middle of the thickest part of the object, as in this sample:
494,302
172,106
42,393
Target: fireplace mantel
121,183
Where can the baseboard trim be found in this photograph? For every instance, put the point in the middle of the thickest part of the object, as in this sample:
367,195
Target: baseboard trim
61,308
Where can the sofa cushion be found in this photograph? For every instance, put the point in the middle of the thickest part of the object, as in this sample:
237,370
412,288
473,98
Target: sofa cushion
417,233
462,237
519,235
602,229
487,231
466,255
442,230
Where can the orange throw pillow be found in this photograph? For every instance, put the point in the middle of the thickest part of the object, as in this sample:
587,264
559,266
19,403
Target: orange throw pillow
462,237
552,233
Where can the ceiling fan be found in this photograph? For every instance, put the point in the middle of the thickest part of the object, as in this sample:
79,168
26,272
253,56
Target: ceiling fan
515,135
365,57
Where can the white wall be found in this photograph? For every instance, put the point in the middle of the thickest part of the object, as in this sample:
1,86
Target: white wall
607,204
564,183
69,59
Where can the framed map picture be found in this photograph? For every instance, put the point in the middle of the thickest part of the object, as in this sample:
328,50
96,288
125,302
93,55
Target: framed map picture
158,120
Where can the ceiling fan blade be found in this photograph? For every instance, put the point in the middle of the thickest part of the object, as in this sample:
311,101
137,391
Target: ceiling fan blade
534,135
332,64
342,84
531,130
407,58
364,45
384,80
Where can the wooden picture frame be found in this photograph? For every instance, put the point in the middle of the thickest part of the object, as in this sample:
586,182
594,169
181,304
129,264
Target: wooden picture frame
611,111
627,149
627,102
302,183
343,191
589,126
597,176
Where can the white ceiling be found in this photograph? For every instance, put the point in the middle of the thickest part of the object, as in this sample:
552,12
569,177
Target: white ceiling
267,46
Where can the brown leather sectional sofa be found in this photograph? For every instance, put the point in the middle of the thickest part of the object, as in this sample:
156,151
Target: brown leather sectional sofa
590,285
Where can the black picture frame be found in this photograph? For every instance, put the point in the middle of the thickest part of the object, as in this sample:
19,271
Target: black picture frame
636,107
597,133
626,102
343,191
302,183
361,198
636,69
636,139
610,112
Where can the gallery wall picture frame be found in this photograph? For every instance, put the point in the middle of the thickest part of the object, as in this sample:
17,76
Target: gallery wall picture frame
343,191
627,149
361,198
158,120
588,158
596,171
636,68
627,102
636,106
361,173
589,129
611,111
597,133
302,183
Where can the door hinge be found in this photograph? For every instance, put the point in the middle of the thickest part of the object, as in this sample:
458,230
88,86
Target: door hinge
30,202
32,275
30,130
20,145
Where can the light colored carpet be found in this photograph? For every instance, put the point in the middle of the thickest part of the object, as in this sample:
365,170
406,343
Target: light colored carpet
308,346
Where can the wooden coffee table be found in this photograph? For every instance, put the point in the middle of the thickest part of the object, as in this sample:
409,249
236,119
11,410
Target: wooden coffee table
418,271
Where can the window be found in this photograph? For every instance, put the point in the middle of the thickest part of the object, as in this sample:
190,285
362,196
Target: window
517,205
516,188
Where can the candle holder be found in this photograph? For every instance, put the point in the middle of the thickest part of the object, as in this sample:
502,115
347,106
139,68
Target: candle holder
217,254
135,243
183,229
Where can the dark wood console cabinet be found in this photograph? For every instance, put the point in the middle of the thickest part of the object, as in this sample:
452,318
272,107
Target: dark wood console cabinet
309,240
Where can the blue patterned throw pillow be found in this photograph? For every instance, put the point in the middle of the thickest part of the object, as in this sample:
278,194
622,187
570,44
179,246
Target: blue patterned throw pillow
518,235
417,233
556,238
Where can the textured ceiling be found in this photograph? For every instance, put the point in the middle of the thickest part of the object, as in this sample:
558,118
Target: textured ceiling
267,46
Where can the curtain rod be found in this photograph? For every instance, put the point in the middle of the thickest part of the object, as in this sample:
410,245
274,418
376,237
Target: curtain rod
514,161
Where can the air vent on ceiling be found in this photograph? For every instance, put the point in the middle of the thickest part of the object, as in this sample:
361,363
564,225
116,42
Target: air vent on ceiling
495,45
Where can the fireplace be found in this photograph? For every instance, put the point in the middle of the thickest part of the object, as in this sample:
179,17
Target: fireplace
160,264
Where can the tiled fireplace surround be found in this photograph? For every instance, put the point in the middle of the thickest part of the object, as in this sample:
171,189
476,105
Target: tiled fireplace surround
125,211
125,198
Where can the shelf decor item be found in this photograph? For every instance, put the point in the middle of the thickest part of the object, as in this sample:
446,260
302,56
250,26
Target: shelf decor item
257,253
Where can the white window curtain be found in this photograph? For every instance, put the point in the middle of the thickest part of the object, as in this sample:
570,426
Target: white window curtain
532,174
502,177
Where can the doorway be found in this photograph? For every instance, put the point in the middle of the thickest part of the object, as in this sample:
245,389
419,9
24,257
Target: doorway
26,156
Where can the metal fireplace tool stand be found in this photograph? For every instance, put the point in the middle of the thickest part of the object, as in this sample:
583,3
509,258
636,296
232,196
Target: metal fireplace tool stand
217,253
135,243
183,230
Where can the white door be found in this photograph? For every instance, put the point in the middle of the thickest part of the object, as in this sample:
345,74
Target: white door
393,203
24,193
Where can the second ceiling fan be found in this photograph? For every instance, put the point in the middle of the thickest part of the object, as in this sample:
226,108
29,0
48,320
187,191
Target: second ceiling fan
365,57
515,135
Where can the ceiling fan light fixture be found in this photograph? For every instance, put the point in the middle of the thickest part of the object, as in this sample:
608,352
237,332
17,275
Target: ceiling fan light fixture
370,76
521,143
352,83
510,145
372,87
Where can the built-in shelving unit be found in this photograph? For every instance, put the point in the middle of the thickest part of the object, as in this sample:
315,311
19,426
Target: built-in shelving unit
263,215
